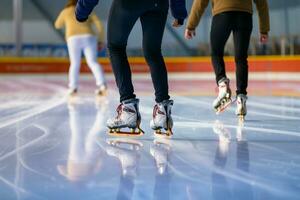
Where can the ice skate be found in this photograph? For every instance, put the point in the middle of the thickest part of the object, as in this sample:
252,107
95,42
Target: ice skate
162,118
241,108
224,97
128,116
72,91
101,90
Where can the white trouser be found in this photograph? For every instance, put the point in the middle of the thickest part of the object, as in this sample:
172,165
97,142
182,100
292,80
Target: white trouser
88,45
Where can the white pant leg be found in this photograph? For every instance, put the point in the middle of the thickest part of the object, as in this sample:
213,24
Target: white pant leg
75,49
90,53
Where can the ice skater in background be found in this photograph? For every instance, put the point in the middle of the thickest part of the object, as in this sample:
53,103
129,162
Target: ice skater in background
153,15
80,39
230,16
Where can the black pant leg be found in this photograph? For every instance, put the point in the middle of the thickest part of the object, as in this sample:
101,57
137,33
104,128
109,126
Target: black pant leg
122,18
241,35
153,25
220,32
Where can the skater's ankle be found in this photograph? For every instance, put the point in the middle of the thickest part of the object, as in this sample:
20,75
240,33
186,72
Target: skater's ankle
131,100
241,95
166,102
223,80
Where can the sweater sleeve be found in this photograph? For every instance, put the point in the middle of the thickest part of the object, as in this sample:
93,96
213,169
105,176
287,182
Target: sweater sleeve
59,23
197,11
99,26
178,10
84,9
263,15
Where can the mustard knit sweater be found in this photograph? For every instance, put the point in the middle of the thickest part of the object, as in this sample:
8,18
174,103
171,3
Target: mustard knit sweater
67,19
219,6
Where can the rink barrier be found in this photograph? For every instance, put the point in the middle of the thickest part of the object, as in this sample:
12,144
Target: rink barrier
138,64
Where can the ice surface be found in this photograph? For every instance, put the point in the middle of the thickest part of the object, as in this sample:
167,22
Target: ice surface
52,147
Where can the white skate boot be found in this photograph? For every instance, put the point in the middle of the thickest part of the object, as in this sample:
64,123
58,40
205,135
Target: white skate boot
72,91
241,108
128,117
101,90
224,97
162,118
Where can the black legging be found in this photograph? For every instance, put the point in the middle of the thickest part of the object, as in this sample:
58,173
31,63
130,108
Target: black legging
123,15
240,24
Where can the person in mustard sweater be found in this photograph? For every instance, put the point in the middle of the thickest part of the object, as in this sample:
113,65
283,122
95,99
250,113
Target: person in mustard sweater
230,16
80,39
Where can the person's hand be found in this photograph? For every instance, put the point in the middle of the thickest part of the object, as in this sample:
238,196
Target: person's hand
189,34
177,23
264,38
100,46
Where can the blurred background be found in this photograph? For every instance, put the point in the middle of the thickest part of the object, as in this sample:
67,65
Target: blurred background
29,24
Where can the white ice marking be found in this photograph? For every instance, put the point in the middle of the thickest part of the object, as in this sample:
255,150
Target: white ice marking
44,106
13,186
198,124
29,144
248,178
21,160
273,107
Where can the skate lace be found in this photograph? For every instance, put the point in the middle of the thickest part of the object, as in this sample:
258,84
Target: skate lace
155,109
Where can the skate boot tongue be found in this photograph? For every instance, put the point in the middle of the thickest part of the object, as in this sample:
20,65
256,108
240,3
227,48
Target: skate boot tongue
162,118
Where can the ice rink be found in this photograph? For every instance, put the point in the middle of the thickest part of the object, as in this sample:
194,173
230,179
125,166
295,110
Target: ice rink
54,147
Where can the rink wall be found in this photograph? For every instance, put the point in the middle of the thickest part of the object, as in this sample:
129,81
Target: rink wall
138,64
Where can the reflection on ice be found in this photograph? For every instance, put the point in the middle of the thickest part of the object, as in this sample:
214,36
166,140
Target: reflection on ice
219,178
160,150
128,153
85,156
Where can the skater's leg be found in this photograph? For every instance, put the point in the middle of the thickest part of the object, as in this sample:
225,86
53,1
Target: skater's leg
74,49
90,52
120,23
220,32
241,35
153,25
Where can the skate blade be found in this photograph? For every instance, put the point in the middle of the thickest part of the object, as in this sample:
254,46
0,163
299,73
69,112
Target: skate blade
120,133
101,94
166,134
223,108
